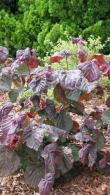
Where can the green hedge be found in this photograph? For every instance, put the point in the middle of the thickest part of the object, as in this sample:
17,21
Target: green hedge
41,23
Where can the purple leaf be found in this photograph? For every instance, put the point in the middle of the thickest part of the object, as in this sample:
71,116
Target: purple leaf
78,40
66,161
23,54
8,126
90,70
19,118
5,110
70,80
51,76
64,53
50,109
3,54
82,55
6,71
82,137
45,78
54,131
92,156
83,153
46,184
33,136
34,173
9,162
9,123
28,56
51,155
90,123
104,161
38,84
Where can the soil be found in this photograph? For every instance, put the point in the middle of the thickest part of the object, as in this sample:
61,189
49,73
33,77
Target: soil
87,183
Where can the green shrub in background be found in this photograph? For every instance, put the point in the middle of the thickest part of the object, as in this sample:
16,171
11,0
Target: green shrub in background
101,28
92,46
38,23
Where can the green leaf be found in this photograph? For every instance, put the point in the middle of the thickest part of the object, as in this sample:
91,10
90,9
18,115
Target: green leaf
77,107
13,94
59,94
73,95
100,142
23,69
75,152
5,83
64,121
106,116
67,160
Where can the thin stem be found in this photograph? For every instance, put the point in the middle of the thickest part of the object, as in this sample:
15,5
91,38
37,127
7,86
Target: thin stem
67,65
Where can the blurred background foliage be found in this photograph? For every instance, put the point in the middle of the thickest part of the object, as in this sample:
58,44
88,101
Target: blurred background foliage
42,23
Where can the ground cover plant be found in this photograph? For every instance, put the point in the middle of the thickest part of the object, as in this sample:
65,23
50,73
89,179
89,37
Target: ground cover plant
38,132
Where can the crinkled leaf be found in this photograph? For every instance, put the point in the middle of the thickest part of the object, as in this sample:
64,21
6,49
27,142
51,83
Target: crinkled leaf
70,80
67,160
51,155
90,70
28,56
83,153
64,121
73,95
5,110
8,126
92,156
38,85
33,136
33,174
23,54
9,162
54,133
82,137
59,94
106,117
46,184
